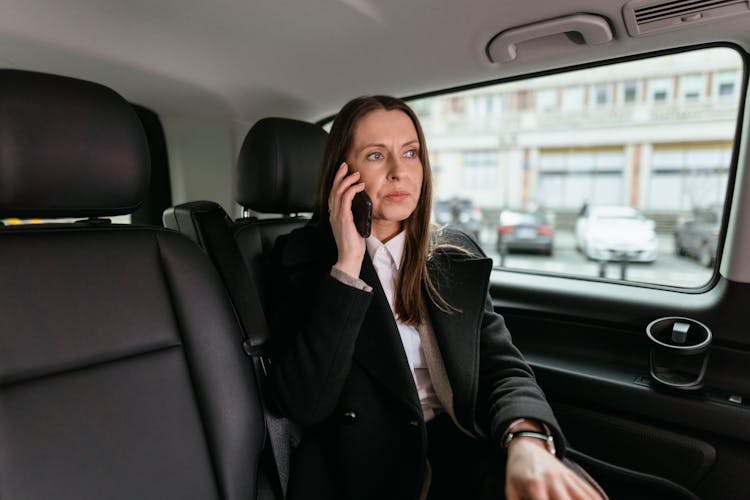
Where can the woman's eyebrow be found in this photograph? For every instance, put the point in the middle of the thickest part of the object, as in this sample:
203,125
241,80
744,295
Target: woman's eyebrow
381,145
371,145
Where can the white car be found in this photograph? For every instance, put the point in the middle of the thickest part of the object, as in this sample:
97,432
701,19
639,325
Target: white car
616,233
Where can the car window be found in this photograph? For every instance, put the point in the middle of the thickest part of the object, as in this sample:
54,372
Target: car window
118,219
603,172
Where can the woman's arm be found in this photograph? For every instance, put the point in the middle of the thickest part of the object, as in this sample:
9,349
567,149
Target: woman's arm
506,383
513,398
317,317
315,323
507,388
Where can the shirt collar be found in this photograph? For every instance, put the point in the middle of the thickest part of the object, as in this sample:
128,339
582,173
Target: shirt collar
394,246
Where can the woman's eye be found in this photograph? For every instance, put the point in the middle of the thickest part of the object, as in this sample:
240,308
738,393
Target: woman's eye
375,156
412,153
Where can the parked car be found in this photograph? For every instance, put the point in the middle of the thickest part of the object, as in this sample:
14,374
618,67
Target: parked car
524,231
698,236
615,233
459,213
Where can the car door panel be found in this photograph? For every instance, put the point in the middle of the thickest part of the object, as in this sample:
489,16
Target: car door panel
587,344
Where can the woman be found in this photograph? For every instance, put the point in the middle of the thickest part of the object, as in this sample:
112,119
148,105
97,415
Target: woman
389,353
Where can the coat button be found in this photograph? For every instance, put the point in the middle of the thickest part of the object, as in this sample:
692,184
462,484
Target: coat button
350,416
414,423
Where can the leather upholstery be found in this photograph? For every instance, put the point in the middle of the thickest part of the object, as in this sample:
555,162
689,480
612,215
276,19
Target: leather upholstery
94,159
278,170
277,173
121,368
279,166
256,238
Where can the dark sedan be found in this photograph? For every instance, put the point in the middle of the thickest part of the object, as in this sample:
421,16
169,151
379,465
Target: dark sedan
698,237
524,231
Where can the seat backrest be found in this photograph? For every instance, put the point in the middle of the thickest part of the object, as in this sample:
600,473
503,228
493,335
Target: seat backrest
121,368
277,173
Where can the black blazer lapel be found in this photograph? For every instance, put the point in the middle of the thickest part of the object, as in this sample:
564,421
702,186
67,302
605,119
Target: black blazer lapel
462,282
379,349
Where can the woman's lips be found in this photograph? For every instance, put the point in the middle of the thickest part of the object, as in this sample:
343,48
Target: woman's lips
397,196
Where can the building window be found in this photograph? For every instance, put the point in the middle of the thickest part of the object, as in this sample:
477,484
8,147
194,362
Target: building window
572,99
684,177
660,89
601,95
630,92
691,87
726,82
570,178
487,105
546,100
480,170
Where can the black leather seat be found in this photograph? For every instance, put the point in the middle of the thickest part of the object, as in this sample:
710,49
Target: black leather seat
277,173
121,369
278,169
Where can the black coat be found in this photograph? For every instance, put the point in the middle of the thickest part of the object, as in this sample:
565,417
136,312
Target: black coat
339,369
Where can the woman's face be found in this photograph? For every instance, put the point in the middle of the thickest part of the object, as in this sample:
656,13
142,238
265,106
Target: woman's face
385,151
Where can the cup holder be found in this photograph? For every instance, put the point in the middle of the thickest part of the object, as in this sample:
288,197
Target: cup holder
679,352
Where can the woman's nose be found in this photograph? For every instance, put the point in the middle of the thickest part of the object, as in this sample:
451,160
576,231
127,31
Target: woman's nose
396,170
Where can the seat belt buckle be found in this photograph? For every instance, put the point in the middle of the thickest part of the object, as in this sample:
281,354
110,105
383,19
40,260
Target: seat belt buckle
257,353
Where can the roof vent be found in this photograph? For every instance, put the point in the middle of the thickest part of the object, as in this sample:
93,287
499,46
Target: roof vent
643,17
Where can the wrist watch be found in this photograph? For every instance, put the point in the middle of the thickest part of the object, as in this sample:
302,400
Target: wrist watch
546,437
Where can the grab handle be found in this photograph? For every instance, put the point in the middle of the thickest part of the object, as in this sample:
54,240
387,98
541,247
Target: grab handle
594,30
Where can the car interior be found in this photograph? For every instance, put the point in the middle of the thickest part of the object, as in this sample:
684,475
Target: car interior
152,152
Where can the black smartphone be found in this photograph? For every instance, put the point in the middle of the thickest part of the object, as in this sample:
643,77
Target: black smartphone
361,209
362,212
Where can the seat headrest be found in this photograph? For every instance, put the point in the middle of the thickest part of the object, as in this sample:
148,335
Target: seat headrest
68,148
279,165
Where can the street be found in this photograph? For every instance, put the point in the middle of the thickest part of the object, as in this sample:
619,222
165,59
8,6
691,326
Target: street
668,269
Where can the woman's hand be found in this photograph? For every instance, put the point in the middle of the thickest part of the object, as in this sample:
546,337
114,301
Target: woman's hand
532,472
350,244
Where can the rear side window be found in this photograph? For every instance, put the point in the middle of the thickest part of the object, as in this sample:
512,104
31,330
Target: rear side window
616,172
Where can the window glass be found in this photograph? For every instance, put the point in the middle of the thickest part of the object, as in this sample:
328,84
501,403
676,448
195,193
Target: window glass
118,219
487,105
572,98
547,182
659,90
546,100
726,81
692,87
629,92
601,95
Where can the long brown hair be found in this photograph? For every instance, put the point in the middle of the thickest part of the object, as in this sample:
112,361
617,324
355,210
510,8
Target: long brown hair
413,277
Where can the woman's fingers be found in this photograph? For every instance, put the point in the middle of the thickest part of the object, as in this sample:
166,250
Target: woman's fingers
343,190
532,472
341,183
349,243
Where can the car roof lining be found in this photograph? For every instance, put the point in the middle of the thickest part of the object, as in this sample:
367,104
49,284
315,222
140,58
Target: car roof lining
214,59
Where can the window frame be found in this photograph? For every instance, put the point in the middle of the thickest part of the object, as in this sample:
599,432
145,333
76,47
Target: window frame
740,84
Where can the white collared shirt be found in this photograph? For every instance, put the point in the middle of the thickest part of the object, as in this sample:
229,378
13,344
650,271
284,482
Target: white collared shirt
386,258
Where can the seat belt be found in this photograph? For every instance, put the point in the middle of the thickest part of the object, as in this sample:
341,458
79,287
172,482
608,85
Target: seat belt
225,254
